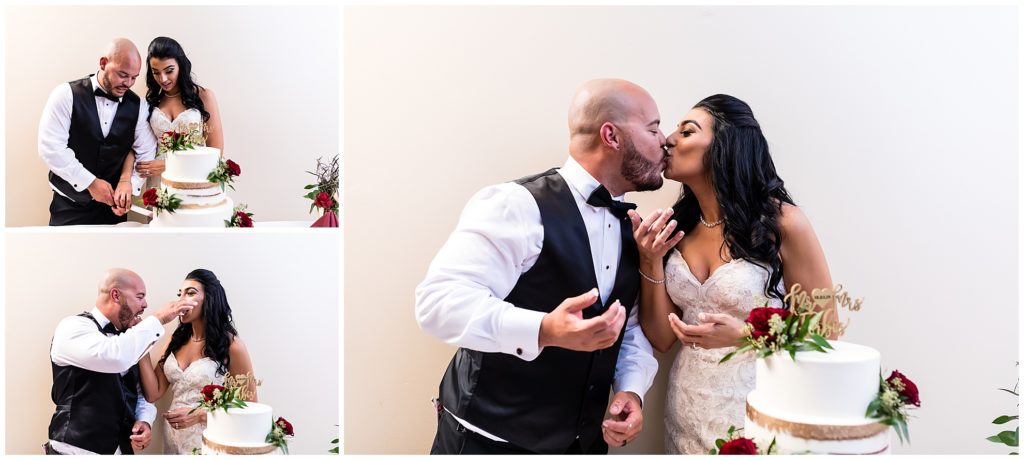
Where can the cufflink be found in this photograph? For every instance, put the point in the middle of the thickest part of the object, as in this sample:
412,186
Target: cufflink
519,351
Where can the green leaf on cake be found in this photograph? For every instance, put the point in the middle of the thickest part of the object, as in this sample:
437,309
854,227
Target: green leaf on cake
821,342
873,407
815,320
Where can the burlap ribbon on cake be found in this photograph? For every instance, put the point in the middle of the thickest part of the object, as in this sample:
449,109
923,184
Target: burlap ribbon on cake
200,206
189,185
816,432
233,450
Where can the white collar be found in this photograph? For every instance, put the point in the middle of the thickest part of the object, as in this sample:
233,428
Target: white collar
581,180
99,317
96,84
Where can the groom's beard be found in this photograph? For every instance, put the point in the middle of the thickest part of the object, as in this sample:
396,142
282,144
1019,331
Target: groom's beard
124,315
644,175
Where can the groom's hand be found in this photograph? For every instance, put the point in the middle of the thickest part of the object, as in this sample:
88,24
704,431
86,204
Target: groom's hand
565,327
627,419
141,435
174,309
102,191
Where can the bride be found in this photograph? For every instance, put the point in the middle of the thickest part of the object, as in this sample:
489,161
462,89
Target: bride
742,243
202,350
175,100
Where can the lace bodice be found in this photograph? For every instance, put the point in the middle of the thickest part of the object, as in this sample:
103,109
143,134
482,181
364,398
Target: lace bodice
160,123
185,386
704,397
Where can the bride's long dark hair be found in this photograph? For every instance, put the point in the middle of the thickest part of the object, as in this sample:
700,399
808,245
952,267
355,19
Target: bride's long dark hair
168,48
749,191
216,314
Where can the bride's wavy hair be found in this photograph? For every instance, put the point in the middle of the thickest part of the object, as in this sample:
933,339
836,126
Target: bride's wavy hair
216,314
168,48
749,191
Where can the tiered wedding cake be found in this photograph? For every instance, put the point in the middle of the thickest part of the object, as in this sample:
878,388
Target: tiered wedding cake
203,203
817,402
239,431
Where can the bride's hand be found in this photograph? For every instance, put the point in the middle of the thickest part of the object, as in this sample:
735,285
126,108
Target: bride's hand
150,168
123,195
654,235
715,330
180,418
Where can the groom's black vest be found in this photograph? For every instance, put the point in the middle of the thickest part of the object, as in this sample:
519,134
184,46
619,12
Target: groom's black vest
545,404
95,410
102,156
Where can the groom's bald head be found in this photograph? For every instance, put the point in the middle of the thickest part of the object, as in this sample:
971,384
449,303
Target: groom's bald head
121,296
122,50
120,65
602,101
118,278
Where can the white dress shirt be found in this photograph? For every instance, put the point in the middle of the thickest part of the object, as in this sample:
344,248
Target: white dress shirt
77,342
53,137
498,238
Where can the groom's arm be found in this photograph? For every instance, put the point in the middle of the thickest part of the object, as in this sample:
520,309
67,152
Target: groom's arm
636,366
144,410
498,237
76,342
54,127
144,145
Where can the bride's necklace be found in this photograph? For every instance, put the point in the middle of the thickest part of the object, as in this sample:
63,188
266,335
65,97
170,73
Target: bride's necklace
710,225
197,340
172,95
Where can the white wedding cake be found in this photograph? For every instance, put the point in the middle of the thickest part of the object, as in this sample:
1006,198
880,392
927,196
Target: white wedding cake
239,431
817,403
203,203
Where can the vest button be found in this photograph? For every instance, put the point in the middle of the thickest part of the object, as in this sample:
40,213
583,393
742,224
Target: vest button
590,388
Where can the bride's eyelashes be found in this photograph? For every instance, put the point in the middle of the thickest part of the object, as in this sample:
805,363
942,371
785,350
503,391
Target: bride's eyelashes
686,133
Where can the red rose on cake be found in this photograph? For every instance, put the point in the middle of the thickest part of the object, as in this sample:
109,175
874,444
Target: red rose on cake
906,388
759,319
243,219
738,446
149,197
208,392
285,426
233,168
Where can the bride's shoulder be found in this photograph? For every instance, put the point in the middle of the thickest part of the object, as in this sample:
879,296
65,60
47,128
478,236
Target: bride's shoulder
206,94
793,222
236,344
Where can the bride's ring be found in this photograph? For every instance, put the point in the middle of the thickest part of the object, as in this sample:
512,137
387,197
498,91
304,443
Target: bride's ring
693,345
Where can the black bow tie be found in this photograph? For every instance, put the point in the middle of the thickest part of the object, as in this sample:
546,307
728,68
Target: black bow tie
110,329
99,92
600,198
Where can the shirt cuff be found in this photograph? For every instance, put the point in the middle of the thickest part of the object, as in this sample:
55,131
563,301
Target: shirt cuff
137,184
630,382
82,180
519,334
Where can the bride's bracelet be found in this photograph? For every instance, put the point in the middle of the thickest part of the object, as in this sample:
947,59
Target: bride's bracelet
648,278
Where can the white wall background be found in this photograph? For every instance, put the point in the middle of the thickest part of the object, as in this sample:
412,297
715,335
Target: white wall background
274,70
283,294
895,128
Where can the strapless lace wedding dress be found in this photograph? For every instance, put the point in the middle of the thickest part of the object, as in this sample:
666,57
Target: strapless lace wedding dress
704,398
185,386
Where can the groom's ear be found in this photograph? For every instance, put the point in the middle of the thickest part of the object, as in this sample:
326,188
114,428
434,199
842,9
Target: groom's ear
608,134
103,63
115,294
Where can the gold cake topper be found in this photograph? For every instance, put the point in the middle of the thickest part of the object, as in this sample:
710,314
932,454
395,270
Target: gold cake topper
801,303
